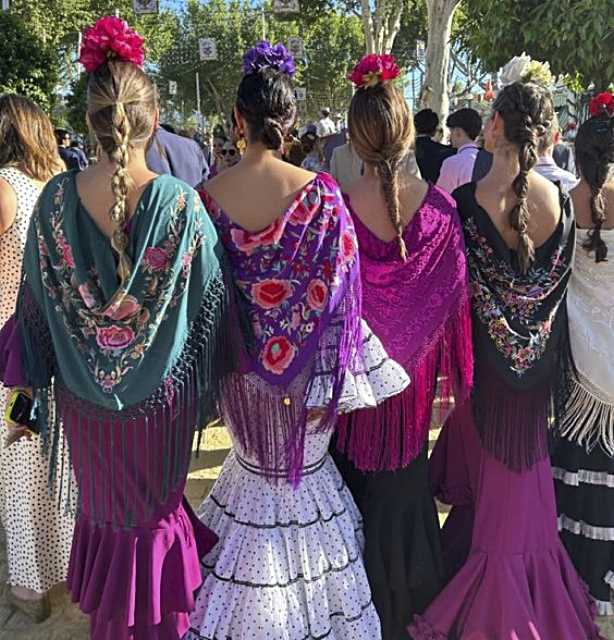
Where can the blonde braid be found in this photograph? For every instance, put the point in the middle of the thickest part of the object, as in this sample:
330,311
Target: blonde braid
388,172
120,183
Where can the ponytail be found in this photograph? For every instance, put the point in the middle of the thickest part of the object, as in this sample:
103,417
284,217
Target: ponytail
388,172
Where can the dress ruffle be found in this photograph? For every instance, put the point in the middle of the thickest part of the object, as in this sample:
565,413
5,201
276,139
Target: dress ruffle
532,586
289,564
373,378
138,583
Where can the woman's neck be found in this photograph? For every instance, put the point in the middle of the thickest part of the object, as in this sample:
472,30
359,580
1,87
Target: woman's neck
136,164
505,166
257,154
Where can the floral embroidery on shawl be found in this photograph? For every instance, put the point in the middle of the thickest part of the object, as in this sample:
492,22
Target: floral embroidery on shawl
124,329
496,288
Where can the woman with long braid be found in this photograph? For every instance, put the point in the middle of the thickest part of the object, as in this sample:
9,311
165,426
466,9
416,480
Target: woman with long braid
118,335
412,256
583,462
512,578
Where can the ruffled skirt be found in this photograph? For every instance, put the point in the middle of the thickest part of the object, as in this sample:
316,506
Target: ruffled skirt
403,555
289,562
584,485
517,582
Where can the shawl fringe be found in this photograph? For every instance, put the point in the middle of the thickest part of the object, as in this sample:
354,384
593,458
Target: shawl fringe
588,420
390,436
115,454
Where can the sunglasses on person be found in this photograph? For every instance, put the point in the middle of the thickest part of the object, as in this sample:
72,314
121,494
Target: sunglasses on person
228,152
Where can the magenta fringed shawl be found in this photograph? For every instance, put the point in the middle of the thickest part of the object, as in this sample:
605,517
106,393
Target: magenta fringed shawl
421,312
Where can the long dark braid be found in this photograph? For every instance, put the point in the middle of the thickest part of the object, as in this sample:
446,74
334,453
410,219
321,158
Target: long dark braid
595,159
527,111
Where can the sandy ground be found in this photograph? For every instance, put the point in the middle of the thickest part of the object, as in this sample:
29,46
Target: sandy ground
67,623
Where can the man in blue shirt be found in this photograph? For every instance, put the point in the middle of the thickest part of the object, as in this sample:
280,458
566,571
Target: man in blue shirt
178,156
69,156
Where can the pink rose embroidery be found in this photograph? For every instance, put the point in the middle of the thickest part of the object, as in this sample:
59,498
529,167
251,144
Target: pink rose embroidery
271,293
114,338
348,247
87,296
247,242
156,259
277,354
186,262
302,214
127,308
317,293
65,251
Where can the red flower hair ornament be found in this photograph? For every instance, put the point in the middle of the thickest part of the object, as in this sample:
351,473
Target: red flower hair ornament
601,104
374,69
110,39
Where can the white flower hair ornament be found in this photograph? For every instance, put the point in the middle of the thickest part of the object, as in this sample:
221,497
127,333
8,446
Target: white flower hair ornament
524,69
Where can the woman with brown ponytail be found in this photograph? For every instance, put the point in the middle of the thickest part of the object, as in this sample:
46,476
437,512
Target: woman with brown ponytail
117,337
512,578
415,296
583,460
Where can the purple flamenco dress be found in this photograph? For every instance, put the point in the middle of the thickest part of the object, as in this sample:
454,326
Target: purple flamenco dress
512,578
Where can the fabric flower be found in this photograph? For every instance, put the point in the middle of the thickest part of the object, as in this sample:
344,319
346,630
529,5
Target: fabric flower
271,293
247,242
317,293
302,214
127,308
277,354
602,103
114,338
156,259
110,39
515,69
374,69
265,56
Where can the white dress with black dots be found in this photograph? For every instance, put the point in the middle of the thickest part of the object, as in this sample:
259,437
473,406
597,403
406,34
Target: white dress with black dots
288,564
38,533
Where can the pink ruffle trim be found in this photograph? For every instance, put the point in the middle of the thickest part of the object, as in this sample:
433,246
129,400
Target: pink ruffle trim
139,582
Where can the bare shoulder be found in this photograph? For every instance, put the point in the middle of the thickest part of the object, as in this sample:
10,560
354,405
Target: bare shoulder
412,192
8,206
581,197
544,201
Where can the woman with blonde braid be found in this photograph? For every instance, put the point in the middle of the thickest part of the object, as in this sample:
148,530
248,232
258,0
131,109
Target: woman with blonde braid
411,256
512,578
583,462
117,334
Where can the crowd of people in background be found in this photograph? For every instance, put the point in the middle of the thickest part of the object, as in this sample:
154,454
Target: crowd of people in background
331,292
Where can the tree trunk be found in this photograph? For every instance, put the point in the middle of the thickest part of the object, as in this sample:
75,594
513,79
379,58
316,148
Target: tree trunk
435,90
367,25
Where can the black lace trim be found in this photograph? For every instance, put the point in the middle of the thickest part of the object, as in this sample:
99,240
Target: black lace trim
195,635
281,585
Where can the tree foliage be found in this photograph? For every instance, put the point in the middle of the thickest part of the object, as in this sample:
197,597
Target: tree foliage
26,64
575,36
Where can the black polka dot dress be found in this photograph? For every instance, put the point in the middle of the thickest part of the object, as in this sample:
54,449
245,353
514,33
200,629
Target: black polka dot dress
38,532
288,564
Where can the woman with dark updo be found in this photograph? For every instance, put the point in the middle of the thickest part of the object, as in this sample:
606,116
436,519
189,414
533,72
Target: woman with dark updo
288,564
583,461
512,578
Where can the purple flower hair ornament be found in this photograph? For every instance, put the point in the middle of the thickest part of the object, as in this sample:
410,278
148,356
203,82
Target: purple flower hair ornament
265,56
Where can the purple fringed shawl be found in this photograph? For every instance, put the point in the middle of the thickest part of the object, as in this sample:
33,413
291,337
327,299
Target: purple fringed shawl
297,279
420,311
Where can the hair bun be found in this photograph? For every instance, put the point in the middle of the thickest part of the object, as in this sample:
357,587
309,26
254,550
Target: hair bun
272,133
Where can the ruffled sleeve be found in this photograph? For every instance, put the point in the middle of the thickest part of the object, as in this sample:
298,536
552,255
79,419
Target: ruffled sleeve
373,377
12,373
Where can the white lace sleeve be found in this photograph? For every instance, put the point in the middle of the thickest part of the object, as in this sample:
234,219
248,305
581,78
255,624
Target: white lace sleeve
373,378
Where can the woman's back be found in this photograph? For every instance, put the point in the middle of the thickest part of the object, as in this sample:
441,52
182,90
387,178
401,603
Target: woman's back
12,242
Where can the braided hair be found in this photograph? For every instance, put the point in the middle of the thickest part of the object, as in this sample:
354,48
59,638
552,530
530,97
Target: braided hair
382,131
121,107
527,112
595,159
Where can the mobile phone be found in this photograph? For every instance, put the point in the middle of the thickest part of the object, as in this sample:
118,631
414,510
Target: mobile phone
19,410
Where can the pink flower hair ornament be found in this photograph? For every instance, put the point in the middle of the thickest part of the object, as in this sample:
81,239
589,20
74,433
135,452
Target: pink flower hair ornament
110,39
374,69
601,104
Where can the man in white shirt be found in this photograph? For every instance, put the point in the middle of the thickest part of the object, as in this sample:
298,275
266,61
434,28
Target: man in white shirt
546,166
326,126
465,127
